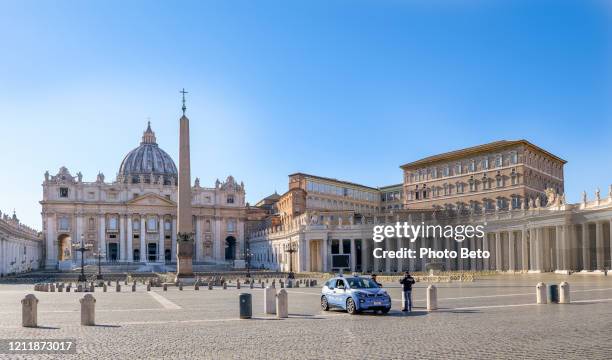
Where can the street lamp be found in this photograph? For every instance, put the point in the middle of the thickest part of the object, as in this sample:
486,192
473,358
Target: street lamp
99,254
247,257
291,247
82,248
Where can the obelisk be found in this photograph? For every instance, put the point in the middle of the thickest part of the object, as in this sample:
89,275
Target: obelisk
184,244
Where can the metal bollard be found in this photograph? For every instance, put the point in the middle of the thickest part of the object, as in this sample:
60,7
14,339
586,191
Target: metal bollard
88,310
282,284
148,286
263,285
541,293
246,306
269,300
29,311
282,304
118,287
564,293
52,287
210,285
79,288
104,288
224,286
165,287
92,287
432,298
181,286
196,286
133,287
251,284
238,284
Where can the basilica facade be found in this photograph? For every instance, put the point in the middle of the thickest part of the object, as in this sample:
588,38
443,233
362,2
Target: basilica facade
132,219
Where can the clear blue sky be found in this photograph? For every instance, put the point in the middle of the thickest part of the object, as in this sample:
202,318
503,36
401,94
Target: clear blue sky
346,89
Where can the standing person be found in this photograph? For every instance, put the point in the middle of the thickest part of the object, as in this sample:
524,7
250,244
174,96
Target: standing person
407,282
374,279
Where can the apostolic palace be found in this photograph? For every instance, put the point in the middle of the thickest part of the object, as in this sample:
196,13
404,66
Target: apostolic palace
514,189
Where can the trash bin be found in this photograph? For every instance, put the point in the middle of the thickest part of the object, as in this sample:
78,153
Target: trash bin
246,308
552,293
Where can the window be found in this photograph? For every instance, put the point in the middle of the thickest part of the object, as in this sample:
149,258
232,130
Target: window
167,225
91,224
230,199
434,173
513,177
498,161
458,169
64,224
151,224
446,171
63,192
136,224
485,163
472,184
473,165
231,225
499,180
112,223
514,157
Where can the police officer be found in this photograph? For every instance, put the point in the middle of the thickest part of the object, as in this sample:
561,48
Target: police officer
407,282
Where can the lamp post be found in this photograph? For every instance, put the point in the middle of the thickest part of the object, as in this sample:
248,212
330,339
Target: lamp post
82,248
99,254
290,248
247,257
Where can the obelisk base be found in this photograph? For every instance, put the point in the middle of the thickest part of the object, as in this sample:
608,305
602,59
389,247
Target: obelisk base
184,255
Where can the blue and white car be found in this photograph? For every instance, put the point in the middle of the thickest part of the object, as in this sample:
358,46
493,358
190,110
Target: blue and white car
354,294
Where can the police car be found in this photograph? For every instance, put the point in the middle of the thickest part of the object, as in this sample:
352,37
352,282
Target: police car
354,294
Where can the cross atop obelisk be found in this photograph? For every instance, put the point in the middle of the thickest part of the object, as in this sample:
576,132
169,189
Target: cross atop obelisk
184,244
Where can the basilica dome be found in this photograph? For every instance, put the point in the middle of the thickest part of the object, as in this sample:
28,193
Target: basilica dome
148,163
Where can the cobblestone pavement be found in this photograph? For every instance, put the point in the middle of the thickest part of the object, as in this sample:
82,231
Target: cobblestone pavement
492,318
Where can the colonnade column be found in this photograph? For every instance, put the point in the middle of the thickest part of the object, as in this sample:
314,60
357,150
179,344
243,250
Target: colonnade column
325,255
599,245
353,255
559,246
610,230
130,238
412,246
400,260
365,256
143,232
387,260
586,255
447,261
511,253
486,264
77,234
472,242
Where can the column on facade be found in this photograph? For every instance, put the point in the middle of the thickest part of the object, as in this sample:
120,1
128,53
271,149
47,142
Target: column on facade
143,233
122,245
130,237
198,238
412,262
173,247
540,256
424,243
102,234
240,241
532,249
51,255
586,254
511,250
599,245
161,248
2,257
78,232
448,246
559,246
217,236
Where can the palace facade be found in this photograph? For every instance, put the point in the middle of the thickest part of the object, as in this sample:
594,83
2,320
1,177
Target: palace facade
132,220
21,247
513,188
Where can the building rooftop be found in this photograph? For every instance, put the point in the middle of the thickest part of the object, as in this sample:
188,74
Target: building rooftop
334,180
492,146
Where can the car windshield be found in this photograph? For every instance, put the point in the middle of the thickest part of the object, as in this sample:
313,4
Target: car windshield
361,283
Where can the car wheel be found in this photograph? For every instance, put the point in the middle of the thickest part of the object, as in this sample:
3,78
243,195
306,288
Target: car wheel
324,303
385,310
350,306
